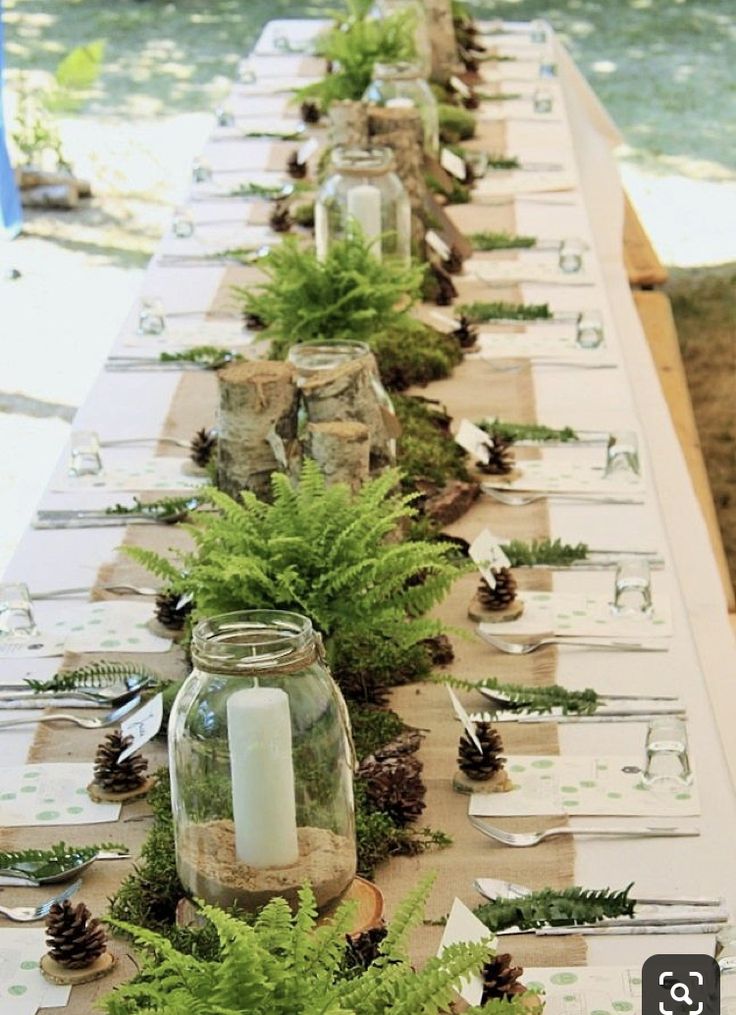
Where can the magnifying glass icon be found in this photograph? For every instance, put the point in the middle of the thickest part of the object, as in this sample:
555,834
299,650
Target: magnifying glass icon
679,992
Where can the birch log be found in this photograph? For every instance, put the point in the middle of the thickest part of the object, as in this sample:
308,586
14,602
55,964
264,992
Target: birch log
342,451
347,394
348,124
257,425
442,40
400,129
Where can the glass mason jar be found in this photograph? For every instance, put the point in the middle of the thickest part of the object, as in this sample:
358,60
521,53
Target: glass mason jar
261,762
363,190
309,359
402,84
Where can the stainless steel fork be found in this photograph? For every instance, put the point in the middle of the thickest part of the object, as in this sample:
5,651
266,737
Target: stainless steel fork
27,914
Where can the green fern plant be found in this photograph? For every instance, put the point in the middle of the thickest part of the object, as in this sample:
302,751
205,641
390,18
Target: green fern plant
286,963
488,240
317,549
549,552
98,674
353,47
349,295
522,698
556,908
481,311
528,431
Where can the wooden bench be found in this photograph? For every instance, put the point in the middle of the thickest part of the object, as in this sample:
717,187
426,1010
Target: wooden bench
643,267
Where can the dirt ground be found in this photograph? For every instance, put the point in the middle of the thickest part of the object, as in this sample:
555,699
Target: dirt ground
704,303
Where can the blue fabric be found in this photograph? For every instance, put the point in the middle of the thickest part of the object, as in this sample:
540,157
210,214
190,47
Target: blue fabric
11,217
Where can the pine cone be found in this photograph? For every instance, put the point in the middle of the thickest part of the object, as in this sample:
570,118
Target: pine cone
477,766
73,939
471,101
502,595
253,321
501,979
280,219
469,62
202,447
310,111
168,612
466,332
297,170
114,776
440,649
454,263
501,459
394,786
361,950
441,286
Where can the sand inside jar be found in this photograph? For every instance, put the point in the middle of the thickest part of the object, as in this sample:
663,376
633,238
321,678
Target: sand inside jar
210,870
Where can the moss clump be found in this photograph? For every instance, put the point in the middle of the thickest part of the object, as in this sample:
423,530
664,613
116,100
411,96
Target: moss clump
303,215
379,837
456,124
426,449
414,353
366,664
373,727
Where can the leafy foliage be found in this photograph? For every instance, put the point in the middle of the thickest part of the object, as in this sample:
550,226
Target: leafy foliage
99,674
426,449
354,46
552,552
501,241
456,124
527,431
286,962
500,310
349,295
410,352
269,191
320,550
526,699
210,357
165,509
503,162
562,908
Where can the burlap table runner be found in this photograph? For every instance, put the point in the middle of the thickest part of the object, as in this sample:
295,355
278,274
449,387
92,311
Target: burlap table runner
473,391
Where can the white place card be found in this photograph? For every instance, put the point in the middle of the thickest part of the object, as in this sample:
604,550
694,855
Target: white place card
486,552
142,726
576,614
473,440
547,475
51,794
148,474
454,165
463,926
23,987
606,785
462,715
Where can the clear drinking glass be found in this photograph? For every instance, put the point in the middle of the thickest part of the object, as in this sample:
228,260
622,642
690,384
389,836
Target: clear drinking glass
182,223
403,84
570,256
543,100
224,116
201,170
16,611
632,594
667,753
589,329
538,30
151,316
84,456
622,453
477,163
261,764
245,72
548,62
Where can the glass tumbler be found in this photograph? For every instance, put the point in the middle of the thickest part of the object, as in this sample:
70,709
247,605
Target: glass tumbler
542,100
182,223
16,611
201,170
570,255
151,317
538,30
589,329
84,454
667,753
632,594
622,453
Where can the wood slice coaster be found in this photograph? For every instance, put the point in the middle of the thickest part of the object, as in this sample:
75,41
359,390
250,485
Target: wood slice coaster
478,612
103,796
369,913
57,973
498,783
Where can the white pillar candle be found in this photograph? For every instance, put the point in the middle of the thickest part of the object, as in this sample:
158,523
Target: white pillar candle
321,231
264,805
364,208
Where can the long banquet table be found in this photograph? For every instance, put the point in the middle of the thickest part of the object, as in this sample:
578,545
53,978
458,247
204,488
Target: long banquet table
699,665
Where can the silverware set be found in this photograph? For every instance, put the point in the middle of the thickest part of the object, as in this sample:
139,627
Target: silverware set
35,873
27,914
525,648
112,718
524,840
524,499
